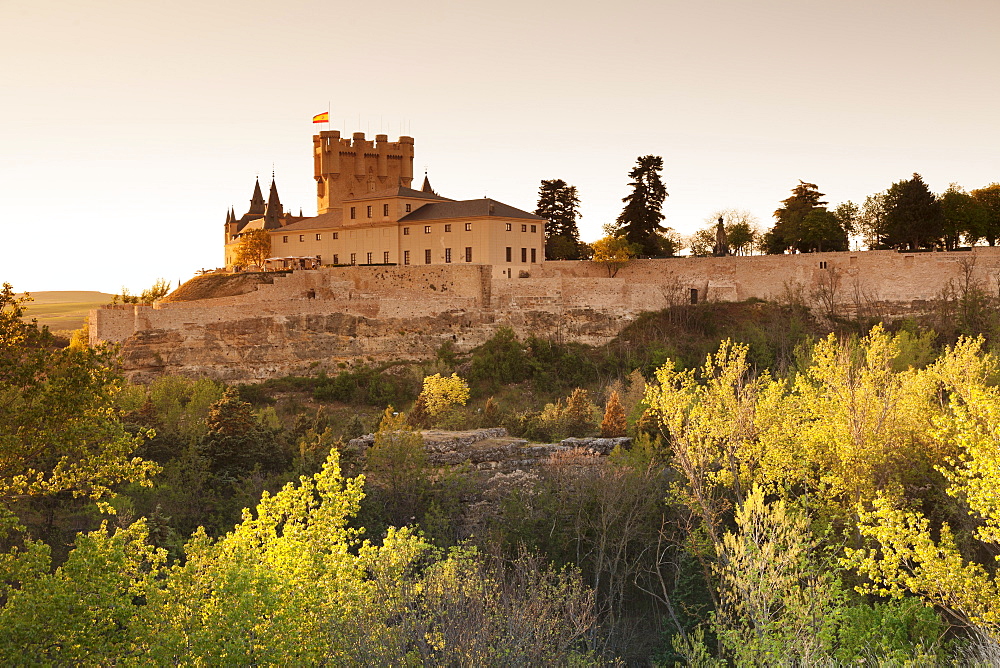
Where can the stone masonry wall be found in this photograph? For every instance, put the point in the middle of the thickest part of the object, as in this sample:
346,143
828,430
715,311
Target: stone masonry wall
317,319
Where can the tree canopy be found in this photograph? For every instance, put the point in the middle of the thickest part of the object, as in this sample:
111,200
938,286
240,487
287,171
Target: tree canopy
59,427
254,247
803,223
913,217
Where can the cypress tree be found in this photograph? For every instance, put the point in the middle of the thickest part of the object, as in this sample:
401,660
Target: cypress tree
639,221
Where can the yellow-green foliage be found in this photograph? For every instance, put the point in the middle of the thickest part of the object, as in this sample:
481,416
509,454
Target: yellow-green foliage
776,597
908,558
442,392
292,584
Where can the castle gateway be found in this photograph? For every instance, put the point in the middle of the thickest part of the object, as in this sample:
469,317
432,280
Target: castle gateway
369,215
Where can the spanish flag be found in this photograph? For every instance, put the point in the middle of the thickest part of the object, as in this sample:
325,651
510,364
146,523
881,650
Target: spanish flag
322,118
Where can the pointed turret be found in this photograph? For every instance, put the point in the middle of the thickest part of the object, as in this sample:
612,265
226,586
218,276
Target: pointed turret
274,210
427,186
229,216
257,202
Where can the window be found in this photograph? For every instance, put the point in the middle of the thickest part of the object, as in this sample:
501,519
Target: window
447,227
385,210
468,227
385,257
508,226
533,257
354,212
318,236
406,257
468,253
427,229
524,228
524,255
822,265
447,255
336,259
427,256
406,231
508,253
408,208
336,235
302,237
284,240
534,228
354,258
369,257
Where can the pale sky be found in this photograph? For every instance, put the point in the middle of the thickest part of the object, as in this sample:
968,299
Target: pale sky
128,128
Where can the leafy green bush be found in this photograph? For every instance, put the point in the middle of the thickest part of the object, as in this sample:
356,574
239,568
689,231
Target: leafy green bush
364,385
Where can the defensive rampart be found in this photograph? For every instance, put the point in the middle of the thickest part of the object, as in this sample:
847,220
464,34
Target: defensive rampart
320,318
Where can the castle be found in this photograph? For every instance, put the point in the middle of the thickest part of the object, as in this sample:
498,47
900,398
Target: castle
367,214
406,271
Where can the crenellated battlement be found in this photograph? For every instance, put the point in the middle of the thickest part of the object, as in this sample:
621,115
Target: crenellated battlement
349,167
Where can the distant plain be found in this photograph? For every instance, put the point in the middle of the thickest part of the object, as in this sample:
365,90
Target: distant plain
64,310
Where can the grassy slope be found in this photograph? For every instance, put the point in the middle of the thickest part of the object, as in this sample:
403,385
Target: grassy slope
64,310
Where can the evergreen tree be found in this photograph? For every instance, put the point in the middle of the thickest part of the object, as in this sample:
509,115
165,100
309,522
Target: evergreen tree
558,204
235,442
913,216
821,232
639,222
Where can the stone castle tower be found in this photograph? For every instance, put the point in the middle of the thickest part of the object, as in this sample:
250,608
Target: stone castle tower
346,168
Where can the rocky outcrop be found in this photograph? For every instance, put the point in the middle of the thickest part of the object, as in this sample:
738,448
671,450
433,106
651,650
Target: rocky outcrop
492,449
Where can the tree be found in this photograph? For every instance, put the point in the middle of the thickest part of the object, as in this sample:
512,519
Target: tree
639,221
442,392
871,221
60,430
741,233
614,423
989,199
235,442
913,216
614,253
911,557
964,217
254,248
848,214
159,290
822,231
558,204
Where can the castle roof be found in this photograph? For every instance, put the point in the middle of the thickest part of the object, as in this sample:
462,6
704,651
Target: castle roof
256,202
470,208
398,191
427,186
322,221
274,210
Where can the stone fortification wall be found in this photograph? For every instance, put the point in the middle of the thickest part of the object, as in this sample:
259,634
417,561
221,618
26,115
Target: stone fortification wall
317,319
887,276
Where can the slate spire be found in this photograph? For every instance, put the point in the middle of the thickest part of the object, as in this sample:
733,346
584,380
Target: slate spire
257,202
274,210
427,186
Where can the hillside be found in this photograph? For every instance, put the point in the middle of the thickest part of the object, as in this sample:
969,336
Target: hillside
218,285
64,310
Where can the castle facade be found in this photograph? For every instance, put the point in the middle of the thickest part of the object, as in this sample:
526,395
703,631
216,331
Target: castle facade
369,215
